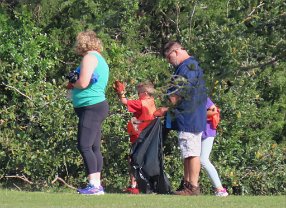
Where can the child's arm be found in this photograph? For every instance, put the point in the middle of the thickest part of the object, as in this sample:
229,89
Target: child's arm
160,112
174,99
122,98
119,87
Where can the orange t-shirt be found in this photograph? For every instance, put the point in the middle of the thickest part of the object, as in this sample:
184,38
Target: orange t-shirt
143,110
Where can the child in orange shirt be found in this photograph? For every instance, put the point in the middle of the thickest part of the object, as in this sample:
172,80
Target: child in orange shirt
143,110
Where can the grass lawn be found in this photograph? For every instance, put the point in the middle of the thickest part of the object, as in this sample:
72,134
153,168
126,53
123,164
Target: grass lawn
68,200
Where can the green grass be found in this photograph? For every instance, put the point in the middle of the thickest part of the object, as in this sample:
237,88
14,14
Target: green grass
68,200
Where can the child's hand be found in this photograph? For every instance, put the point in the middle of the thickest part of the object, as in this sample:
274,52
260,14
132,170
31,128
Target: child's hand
161,111
119,87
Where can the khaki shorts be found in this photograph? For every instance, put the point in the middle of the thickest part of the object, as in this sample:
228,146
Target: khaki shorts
190,144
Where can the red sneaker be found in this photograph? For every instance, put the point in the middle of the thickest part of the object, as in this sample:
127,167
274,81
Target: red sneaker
132,190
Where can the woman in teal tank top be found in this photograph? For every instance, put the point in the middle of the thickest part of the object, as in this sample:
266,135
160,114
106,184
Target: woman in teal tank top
91,107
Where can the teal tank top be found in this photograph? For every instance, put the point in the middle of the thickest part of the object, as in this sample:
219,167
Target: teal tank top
95,92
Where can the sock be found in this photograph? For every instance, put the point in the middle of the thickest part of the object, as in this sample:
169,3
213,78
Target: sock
95,182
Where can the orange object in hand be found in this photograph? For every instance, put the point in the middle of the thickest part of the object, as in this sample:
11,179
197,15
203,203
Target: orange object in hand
215,119
118,86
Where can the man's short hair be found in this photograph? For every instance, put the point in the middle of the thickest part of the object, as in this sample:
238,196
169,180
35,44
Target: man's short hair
168,47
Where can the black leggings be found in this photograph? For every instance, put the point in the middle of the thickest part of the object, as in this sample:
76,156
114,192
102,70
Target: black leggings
89,134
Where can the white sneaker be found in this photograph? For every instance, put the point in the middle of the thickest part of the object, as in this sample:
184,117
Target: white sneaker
222,192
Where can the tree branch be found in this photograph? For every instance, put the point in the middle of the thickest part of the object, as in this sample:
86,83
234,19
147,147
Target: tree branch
177,18
17,187
192,15
167,17
260,5
227,5
67,63
14,88
24,178
62,180
272,61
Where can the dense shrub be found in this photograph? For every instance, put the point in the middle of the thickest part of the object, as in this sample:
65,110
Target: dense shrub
240,46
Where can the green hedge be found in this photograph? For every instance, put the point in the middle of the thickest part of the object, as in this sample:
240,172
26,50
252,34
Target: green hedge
244,68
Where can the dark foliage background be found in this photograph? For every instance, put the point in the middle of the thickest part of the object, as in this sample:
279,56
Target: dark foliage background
240,44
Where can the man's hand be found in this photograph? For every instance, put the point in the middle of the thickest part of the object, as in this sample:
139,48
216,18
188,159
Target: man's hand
174,99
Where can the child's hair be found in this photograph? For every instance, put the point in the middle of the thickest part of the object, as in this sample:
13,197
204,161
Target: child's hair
147,87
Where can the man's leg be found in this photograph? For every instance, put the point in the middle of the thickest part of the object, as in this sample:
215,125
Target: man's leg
194,170
190,145
187,169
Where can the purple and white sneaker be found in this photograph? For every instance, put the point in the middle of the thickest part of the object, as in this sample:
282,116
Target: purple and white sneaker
91,190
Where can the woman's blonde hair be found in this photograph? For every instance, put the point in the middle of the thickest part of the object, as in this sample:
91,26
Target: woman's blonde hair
87,41
147,87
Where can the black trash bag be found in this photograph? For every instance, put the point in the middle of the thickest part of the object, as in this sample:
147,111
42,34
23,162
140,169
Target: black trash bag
147,160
